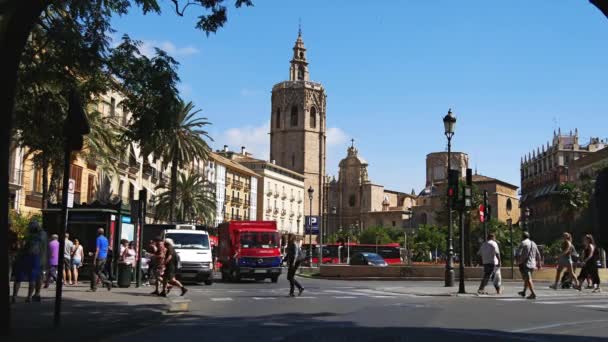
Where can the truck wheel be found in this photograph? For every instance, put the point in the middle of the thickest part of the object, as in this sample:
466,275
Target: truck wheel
208,282
274,279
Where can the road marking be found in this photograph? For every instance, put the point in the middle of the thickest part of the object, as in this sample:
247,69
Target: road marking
236,291
571,301
221,299
345,297
302,297
384,297
345,292
595,306
557,325
264,298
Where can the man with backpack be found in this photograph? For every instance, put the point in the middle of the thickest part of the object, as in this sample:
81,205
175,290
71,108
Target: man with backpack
294,257
528,259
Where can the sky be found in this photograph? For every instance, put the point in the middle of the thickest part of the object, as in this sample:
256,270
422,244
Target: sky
512,72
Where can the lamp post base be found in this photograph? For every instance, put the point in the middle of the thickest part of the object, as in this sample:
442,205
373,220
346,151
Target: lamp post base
449,277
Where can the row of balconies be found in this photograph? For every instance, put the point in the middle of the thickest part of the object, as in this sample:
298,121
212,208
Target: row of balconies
282,212
237,201
229,217
283,196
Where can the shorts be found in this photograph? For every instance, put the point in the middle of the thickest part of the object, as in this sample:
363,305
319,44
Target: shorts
67,263
564,261
28,268
526,273
76,263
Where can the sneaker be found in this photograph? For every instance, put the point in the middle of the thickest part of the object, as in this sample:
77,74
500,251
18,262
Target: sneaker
291,294
597,290
155,293
522,293
554,286
163,294
184,290
532,296
300,291
481,292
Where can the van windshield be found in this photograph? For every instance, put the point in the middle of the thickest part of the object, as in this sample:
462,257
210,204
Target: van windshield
260,240
189,241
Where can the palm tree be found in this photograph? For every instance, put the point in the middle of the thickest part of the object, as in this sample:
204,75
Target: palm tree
182,142
104,143
194,200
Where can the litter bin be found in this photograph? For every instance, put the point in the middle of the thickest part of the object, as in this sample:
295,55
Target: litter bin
124,275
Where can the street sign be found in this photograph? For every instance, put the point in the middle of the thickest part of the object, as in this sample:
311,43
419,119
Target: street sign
482,213
71,187
311,225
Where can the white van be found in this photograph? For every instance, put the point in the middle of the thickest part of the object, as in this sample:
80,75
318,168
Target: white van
194,252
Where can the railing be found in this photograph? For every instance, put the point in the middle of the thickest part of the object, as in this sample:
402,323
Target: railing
237,201
275,212
246,203
283,196
269,193
276,195
269,210
292,214
283,212
227,199
228,181
237,185
292,199
246,187
299,199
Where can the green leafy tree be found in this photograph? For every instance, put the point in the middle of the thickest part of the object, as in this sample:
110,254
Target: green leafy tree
194,201
181,143
375,235
428,239
571,200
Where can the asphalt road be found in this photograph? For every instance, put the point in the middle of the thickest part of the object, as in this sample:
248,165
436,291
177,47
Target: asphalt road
380,311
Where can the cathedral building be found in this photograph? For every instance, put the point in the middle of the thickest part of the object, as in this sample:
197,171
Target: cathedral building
298,127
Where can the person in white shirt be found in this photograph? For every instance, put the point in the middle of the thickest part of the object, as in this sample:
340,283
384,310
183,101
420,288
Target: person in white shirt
490,258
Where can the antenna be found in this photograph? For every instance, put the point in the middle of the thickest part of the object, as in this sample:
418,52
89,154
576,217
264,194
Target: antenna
299,27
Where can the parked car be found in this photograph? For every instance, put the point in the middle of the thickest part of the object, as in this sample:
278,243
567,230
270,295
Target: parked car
367,259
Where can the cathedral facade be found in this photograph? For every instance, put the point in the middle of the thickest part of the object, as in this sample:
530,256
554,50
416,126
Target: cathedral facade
298,127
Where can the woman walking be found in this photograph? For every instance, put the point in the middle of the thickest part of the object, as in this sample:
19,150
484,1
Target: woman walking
564,261
77,257
171,269
590,258
294,256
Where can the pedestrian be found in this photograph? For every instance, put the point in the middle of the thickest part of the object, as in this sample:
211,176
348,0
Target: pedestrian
67,259
528,259
99,261
13,249
490,258
151,251
294,257
159,270
53,260
171,269
591,256
564,260
77,257
28,263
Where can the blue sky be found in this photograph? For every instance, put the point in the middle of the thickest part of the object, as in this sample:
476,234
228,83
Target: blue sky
512,72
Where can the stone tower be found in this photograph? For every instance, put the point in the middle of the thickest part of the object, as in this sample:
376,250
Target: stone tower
297,127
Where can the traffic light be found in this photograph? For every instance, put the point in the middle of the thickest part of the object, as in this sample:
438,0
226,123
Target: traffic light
486,206
453,179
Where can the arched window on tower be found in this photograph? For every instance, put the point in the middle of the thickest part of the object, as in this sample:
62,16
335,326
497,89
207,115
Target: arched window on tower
300,73
294,116
278,118
313,117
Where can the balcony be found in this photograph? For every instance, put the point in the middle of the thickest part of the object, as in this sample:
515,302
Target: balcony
246,187
134,168
268,210
227,199
276,194
292,214
275,212
283,212
300,215
237,185
246,203
237,201
283,196
269,193
228,181
122,164
292,198
299,200
237,217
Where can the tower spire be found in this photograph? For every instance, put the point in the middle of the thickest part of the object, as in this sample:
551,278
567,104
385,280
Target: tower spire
299,27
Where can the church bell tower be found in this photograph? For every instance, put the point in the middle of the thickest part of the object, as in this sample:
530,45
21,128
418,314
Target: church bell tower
297,127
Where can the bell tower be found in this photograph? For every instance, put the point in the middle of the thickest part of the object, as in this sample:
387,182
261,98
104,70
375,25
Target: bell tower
298,128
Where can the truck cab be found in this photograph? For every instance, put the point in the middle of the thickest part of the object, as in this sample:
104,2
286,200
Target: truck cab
194,250
250,249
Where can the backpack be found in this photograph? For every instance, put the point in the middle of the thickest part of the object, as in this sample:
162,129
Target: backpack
300,255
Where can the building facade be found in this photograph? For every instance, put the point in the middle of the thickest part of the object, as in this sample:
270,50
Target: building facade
281,195
546,168
298,126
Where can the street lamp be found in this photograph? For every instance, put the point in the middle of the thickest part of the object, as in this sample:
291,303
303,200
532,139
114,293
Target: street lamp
410,213
449,124
526,219
310,194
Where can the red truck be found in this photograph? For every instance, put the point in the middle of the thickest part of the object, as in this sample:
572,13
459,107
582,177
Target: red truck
250,249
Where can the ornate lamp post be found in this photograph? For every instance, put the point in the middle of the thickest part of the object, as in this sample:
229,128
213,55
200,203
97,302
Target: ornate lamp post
449,124
310,194
527,219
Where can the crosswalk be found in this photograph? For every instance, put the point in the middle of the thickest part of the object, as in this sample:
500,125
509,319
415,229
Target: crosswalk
267,295
586,300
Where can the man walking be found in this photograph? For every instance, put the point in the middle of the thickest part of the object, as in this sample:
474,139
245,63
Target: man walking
294,257
528,259
99,262
67,259
490,258
53,259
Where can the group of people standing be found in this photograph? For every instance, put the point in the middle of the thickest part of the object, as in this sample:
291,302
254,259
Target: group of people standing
528,259
164,264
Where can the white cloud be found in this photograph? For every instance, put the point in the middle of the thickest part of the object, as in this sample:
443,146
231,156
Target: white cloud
147,48
336,136
254,138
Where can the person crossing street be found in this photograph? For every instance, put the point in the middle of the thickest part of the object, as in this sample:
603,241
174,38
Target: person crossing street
294,257
528,259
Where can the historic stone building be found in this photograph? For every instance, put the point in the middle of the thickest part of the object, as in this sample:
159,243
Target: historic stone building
298,126
546,168
353,201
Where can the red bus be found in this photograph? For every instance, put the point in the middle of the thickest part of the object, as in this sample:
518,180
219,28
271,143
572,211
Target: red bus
332,253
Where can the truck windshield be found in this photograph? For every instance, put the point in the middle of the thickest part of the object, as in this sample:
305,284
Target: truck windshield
259,240
189,241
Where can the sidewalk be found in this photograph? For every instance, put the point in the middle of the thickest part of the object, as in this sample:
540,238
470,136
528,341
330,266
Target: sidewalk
86,315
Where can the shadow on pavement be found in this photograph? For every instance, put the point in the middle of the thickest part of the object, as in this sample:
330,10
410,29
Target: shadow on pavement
319,327
82,320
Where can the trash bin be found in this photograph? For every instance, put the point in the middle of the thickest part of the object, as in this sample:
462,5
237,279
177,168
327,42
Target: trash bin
124,275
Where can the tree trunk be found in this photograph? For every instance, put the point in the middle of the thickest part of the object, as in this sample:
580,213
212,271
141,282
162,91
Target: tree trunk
45,182
18,18
173,190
